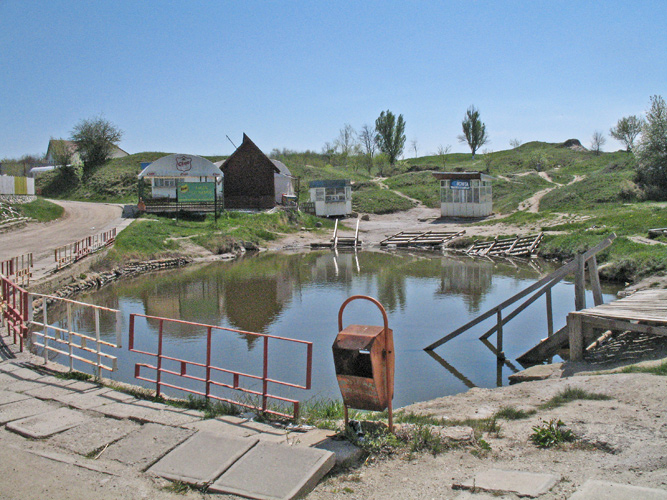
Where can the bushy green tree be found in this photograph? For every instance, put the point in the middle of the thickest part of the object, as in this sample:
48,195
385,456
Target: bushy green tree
474,130
626,130
95,139
390,136
651,151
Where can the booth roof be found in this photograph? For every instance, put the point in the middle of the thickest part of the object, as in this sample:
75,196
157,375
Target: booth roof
336,183
462,176
179,165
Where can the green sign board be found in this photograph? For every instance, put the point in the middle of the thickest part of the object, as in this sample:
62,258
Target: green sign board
196,191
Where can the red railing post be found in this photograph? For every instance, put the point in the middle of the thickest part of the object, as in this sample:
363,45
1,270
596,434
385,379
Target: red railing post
159,360
265,374
208,362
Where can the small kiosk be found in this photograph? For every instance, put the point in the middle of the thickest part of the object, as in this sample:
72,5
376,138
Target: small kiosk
332,198
465,194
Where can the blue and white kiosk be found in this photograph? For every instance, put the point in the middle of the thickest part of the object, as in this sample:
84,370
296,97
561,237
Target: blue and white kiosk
465,194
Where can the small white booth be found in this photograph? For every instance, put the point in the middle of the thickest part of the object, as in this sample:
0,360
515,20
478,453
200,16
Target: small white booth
465,194
168,172
331,198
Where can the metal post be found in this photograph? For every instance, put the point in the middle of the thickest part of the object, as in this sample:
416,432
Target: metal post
208,362
265,373
69,336
97,342
46,322
159,360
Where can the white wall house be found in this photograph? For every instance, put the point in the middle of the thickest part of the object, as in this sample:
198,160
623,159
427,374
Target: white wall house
465,194
169,171
332,198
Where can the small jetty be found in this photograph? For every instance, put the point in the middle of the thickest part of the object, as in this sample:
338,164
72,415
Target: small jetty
421,238
340,241
521,246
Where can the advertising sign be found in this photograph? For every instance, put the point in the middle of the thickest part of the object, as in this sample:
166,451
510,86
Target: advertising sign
196,191
460,184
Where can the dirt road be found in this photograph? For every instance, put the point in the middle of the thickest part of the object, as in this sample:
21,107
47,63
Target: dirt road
80,220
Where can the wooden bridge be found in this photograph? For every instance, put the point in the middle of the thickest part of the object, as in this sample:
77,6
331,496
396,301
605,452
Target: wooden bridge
421,238
340,241
509,247
644,311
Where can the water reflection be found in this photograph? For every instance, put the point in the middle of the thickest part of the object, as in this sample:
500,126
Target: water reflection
298,295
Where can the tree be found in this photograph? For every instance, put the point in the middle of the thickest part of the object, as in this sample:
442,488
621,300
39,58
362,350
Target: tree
626,130
346,140
597,141
95,140
474,130
61,152
390,135
515,143
443,151
415,146
651,151
368,145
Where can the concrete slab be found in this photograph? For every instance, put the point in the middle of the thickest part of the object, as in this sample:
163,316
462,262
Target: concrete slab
46,424
605,490
146,445
11,397
202,458
525,484
219,426
23,409
310,438
52,391
94,398
466,495
275,472
345,452
23,385
93,435
147,411
537,372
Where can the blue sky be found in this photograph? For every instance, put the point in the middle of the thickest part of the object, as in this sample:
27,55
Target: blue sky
179,76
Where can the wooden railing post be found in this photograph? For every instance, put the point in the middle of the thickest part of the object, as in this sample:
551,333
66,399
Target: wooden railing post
579,283
595,281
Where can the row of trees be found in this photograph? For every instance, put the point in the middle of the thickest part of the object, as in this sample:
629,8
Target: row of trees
388,137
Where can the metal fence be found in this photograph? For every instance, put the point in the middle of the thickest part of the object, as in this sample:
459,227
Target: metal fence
68,254
60,336
15,305
207,382
19,268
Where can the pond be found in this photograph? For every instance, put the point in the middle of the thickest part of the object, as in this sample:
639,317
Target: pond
426,294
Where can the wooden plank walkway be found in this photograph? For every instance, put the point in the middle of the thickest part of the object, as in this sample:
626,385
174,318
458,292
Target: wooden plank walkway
644,311
510,247
421,238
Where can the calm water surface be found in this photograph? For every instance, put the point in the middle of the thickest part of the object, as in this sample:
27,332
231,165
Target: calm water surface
426,295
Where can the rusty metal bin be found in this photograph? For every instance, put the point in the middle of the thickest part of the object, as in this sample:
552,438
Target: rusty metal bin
364,362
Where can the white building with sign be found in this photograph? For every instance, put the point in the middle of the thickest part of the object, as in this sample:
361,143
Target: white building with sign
168,172
332,198
465,194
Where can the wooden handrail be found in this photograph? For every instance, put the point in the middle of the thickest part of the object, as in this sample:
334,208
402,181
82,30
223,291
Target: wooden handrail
545,284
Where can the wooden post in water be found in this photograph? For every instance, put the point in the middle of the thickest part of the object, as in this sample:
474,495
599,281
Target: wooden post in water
595,281
579,283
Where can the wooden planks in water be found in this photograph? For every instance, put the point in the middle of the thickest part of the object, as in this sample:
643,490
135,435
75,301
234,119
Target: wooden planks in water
520,246
421,238
644,311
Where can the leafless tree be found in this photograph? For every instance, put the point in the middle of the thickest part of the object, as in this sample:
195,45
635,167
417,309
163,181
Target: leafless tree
515,143
415,146
368,145
443,151
597,141
347,140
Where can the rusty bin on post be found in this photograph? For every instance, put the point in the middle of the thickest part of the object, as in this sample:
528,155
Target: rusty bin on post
364,362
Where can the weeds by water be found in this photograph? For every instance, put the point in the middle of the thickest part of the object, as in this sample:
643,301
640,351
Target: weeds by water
551,433
73,375
511,413
661,369
572,394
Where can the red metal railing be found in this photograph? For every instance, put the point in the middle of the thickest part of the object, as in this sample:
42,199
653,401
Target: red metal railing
18,267
15,309
236,375
68,254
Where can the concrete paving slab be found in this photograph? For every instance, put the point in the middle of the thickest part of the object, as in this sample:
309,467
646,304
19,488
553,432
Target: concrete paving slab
345,452
147,411
93,435
23,385
605,490
11,397
54,391
146,445
310,438
526,484
275,472
46,424
87,400
23,409
220,426
202,458
23,373
466,495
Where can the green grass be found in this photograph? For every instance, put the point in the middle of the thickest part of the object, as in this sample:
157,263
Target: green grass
41,210
157,237
572,394
73,375
379,201
661,369
511,413
551,433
